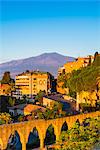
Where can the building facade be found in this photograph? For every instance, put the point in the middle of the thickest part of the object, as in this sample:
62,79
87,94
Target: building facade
30,83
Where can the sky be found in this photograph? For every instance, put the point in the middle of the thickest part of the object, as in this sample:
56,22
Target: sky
29,28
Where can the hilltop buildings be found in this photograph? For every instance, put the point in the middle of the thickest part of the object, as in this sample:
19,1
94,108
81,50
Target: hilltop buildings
70,66
75,65
83,96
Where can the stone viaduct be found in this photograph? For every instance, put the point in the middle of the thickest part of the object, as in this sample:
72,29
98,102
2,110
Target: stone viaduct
24,128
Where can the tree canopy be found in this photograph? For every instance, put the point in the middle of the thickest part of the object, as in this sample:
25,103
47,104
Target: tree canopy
81,137
5,118
6,79
39,96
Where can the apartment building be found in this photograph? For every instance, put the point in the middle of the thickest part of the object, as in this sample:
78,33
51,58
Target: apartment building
30,83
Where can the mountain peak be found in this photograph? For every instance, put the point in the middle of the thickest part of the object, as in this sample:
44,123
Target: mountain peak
49,62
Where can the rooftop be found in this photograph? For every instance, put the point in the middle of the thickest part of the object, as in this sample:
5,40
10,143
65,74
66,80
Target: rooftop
21,106
56,97
31,108
32,72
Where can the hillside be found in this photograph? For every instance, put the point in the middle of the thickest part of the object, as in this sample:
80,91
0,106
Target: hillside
44,62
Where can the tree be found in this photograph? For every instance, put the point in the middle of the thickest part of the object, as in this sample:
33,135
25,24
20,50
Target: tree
84,79
6,77
21,118
81,137
5,118
57,108
39,97
40,115
55,112
11,101
95,55
97,60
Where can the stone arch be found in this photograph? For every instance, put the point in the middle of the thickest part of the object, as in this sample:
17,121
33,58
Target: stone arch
5,134
70,120
54,126
37,127
21,135
64,126
1,144
50,136
33,138
14,141
41,133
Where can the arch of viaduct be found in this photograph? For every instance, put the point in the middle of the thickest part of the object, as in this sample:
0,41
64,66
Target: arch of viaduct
24,128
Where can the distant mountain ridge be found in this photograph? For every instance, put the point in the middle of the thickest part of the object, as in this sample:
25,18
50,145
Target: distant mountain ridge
45,62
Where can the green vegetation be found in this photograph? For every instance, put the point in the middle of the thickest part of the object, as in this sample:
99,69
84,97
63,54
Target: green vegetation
39,97
5,118
84,79
53,113
81,137
6,79
11,101
21,118
47,114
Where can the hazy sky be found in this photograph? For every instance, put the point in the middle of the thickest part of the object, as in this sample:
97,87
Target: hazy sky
29,27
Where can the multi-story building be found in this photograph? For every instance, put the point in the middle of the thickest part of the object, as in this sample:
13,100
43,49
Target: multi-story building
30,83
61,70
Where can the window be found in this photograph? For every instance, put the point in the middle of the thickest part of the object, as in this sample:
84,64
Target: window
40,82
44,82
34,78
